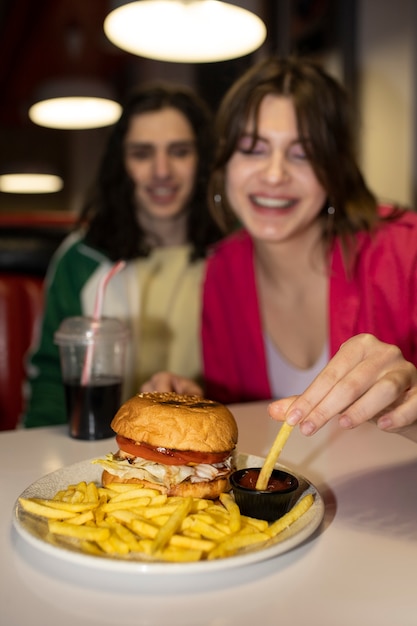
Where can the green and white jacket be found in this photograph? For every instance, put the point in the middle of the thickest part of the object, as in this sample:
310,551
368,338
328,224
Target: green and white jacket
158,297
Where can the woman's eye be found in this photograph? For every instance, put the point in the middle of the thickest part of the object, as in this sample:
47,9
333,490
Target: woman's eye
297,152
139,155
248,146
181,151
298,155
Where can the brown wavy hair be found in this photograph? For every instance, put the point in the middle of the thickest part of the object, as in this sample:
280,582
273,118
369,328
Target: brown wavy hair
327,131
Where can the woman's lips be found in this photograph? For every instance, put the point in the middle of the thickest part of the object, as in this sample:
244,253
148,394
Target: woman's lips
270,203
162,195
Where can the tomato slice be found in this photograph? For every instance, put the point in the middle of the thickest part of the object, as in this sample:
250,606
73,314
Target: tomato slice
167,456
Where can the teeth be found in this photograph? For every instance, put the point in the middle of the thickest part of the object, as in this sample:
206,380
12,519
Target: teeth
161,191
272,203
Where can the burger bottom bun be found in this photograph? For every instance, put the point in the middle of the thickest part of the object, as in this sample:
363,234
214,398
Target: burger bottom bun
210,490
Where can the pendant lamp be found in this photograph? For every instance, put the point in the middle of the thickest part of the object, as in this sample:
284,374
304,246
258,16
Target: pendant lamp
29,178
184,31
75,104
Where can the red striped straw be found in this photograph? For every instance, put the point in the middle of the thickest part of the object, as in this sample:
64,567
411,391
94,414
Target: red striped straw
98,306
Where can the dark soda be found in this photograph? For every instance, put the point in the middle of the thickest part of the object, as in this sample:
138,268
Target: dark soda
91,408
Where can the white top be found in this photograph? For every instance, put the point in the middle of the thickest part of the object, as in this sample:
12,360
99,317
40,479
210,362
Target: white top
359,569
286,379
159,298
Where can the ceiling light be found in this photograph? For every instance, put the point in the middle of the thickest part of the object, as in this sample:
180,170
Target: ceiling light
75,104
184,31
29,178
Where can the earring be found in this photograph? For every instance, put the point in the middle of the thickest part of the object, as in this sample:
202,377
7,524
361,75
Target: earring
329,223
217,199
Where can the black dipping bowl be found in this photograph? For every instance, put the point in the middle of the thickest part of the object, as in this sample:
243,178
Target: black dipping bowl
270,504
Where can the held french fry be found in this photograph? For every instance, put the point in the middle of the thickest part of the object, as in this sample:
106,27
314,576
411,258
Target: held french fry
272,456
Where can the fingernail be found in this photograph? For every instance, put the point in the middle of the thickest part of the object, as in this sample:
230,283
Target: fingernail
307,428
294,417
384,422
345,422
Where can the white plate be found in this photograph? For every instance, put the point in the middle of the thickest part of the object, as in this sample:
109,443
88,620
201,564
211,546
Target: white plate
34,530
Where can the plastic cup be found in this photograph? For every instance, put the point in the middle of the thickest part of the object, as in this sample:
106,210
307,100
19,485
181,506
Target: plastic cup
93,358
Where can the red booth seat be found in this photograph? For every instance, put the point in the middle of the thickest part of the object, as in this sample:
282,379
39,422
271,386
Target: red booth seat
27,242
21,300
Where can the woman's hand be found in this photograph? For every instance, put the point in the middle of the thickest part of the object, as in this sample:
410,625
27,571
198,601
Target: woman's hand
166,381
365,380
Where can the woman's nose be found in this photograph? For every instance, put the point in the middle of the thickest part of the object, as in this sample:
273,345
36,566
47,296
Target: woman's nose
275,168
161,165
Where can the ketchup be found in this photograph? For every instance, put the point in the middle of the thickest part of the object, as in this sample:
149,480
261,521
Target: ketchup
249,479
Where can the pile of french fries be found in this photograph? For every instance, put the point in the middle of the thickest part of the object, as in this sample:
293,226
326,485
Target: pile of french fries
129,521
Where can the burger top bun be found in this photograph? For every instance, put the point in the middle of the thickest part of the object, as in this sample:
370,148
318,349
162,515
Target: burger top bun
179,422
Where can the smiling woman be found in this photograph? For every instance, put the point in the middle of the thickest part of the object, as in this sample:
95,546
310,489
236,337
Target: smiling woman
161,159
149,208
314,296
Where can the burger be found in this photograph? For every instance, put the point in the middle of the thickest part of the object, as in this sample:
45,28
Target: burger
181,445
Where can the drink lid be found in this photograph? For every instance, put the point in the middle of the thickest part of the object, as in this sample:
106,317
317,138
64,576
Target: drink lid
86,330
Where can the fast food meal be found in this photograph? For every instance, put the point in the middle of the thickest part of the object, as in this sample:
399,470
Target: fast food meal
180,445
164,493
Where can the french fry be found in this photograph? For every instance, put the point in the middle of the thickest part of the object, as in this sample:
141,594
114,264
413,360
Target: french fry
236,542
145,546
91,494
160,520
82,518
207,530
154,511
272,456
165,533
89,533
117,487
106,546
138,492
77,492
259,524
293,515
72,507
125,516
118,544
90,547
44,511
179,554
233,510
108,507
144,529
191,543
128,537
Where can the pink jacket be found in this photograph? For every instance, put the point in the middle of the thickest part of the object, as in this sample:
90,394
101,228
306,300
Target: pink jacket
380,298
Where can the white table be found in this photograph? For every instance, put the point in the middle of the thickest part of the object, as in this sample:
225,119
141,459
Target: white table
359,569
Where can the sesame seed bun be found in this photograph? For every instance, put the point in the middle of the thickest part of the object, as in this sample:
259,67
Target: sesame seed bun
176,421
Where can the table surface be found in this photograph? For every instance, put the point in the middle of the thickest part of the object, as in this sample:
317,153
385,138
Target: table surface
358,569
